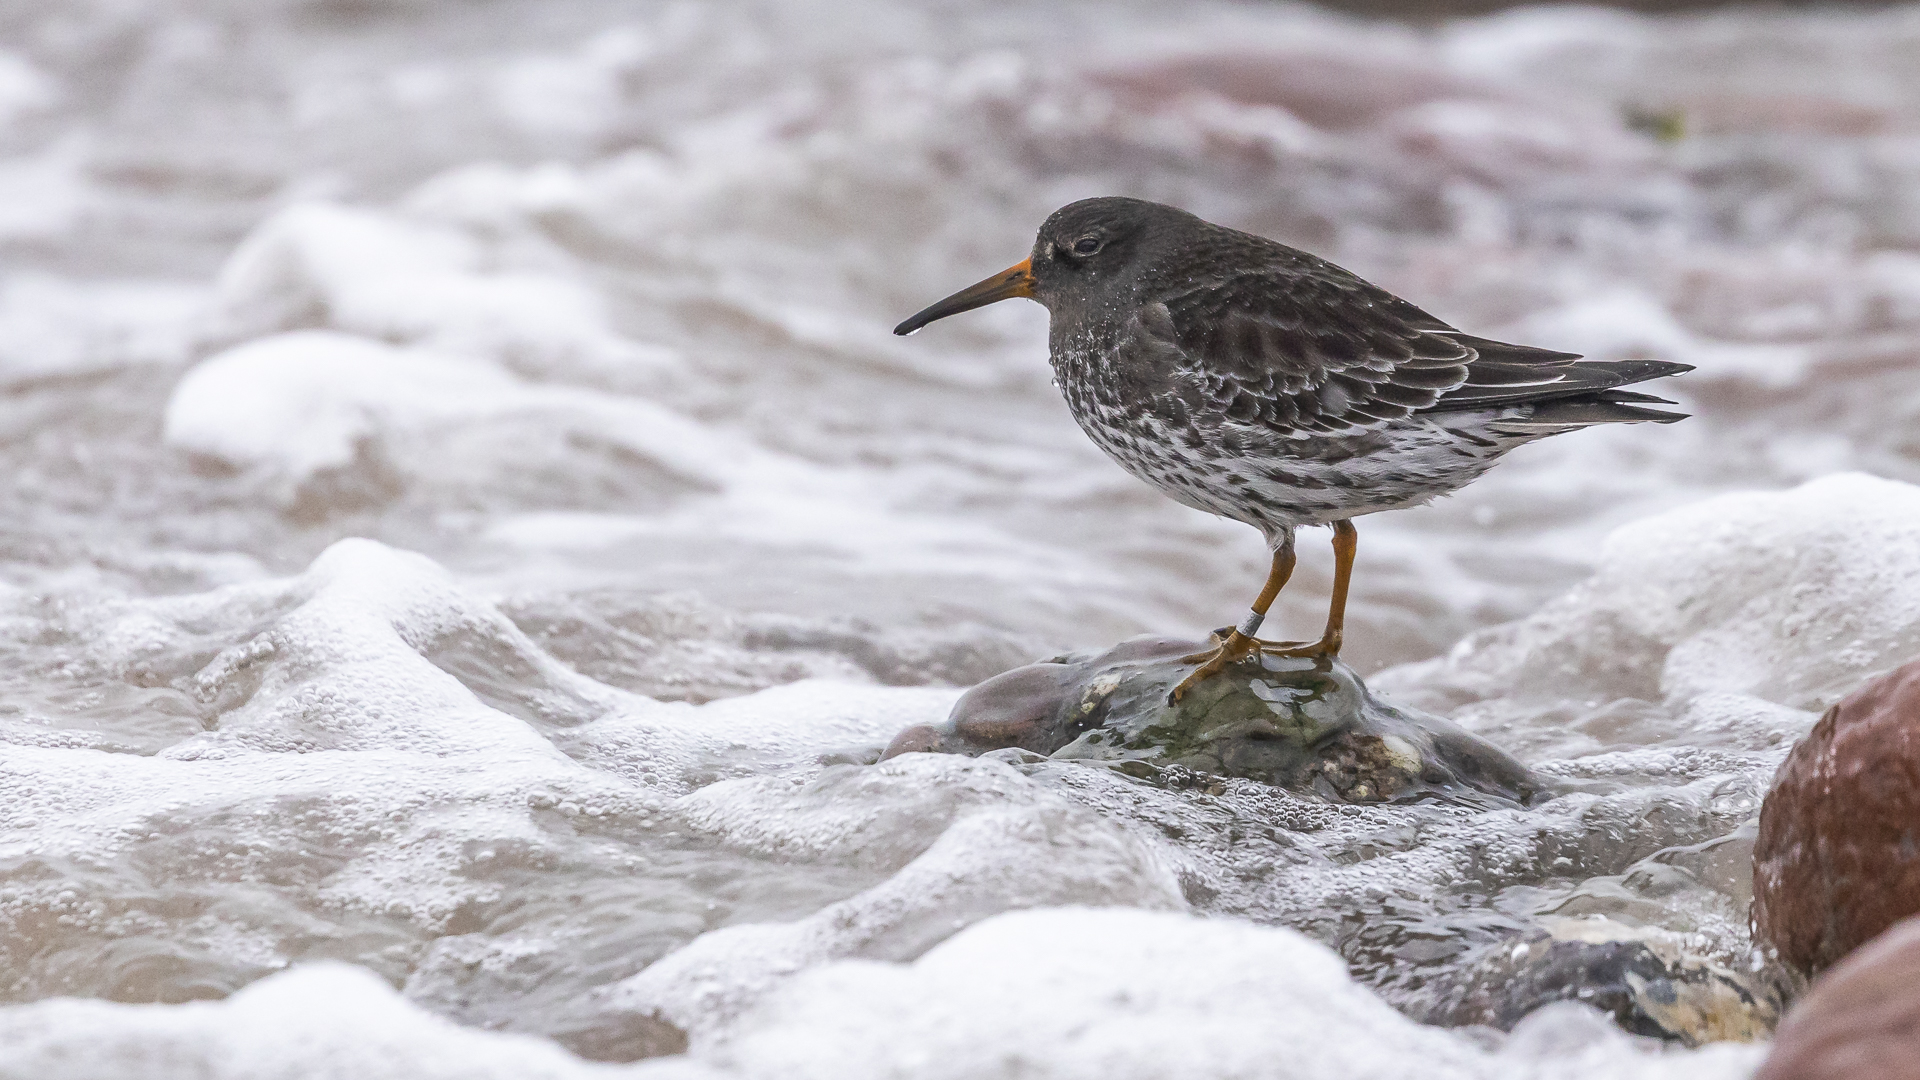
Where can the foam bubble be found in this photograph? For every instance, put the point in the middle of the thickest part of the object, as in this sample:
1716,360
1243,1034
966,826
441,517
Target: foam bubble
390,277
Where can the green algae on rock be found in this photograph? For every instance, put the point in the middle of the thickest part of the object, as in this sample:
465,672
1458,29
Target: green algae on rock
1304,725
1647,979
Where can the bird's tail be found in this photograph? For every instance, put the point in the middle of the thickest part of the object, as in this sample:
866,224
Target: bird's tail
1599,406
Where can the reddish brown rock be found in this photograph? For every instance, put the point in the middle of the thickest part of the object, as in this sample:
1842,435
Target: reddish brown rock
1862,1019
1838,857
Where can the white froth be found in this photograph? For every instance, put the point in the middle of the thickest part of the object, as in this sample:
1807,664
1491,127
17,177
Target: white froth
1054,995
341,706
390,277
52,326
1032,850
1072,993
576,94
319,1022
43,194
307,401
24,88
1793,598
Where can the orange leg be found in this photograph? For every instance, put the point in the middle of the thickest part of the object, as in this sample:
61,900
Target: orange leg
1346,543
1240,642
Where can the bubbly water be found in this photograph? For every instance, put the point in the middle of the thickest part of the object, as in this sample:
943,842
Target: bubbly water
467,518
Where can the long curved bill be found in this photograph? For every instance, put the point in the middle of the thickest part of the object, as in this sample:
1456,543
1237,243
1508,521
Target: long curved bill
1016,280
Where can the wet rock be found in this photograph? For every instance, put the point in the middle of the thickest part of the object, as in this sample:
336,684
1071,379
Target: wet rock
623,1037
1645,979
1862,1018
1303,725
1838,856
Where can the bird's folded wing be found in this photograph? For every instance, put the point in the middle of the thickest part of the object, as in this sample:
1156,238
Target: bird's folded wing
1305,352
1308,348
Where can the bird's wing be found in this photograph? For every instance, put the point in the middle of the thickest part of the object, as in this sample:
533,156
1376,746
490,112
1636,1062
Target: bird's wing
1305,347
1299,345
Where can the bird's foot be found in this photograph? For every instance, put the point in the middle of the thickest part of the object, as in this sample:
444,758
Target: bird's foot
1230,646
1323,649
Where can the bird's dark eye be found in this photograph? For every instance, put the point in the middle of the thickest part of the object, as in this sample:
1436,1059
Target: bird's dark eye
1086,245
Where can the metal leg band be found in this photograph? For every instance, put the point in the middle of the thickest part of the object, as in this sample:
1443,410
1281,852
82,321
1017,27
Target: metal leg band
1250,625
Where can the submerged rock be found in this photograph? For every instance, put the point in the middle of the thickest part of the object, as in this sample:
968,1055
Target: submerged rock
1304,725
1645,979
623,1037
1861,1020
1837,860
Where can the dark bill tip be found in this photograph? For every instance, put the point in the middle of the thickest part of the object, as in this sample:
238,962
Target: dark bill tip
1016,280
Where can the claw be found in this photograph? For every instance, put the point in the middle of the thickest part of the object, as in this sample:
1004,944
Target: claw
1234,647
1306,650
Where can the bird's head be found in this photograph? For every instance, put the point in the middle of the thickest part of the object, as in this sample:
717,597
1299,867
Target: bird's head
1081,248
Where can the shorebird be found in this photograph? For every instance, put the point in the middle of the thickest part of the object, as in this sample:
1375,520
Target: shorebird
1261,383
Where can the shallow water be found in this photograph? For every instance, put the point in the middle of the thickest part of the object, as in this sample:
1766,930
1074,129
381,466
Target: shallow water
469,519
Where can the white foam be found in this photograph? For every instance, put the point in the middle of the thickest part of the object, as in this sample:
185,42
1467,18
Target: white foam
347,725
577,94
392,277
54,326
304,401
993,842
1056,994
24,88
341,700
1793,597
43,194
1497,44
1107,994
317,1022
300,403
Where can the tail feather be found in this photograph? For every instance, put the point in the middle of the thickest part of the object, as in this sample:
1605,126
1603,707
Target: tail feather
1536,392
1496,379
1637,397
1568,414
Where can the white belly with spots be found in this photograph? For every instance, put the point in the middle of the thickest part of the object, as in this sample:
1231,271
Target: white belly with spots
1276,484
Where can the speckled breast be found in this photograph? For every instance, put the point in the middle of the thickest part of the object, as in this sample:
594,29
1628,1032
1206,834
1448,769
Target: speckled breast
1263,478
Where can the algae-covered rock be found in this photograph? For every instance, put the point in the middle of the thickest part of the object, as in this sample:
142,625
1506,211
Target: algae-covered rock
1304,725
1646,979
